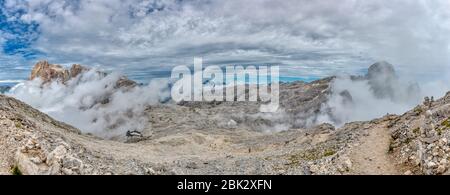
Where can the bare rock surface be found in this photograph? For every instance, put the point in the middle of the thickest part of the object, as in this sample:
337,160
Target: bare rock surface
53,72
420,137
49,72
230,138
37,144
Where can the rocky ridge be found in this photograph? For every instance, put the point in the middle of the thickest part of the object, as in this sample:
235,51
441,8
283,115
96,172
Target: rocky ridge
53,72
229,138
421,137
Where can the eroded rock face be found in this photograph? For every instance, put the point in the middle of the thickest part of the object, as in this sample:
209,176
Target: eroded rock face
383,69
52,72
384,83
49,72
76,70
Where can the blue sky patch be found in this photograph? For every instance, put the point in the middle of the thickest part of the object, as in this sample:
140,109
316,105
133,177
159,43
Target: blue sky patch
18,34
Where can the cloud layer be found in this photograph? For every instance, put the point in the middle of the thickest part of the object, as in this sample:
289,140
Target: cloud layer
92,102
311,38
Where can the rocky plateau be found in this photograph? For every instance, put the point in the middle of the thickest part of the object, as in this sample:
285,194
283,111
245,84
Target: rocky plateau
232,137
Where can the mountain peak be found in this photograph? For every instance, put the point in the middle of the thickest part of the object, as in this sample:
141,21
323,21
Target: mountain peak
381,68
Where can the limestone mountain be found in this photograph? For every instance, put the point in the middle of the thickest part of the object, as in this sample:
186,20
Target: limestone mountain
232,137
53,72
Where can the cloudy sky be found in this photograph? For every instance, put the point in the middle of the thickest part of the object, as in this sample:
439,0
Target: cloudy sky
145,38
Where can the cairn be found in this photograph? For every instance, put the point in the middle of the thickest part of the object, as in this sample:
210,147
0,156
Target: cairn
428,102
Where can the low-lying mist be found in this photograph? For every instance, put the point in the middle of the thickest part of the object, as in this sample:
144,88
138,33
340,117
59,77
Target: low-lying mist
355,101
93,103
381,91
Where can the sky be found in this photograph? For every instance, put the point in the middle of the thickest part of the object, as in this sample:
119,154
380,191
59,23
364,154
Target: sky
146,38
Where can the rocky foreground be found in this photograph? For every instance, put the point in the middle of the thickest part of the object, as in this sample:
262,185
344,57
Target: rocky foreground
233,138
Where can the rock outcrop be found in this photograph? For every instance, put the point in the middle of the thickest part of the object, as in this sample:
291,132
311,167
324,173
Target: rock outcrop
382,79
33,143
381,69
52,72
421,138
384,83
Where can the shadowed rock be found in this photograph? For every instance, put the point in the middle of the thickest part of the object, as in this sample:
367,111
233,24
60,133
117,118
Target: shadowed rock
346,97
384,83
381,76
381,69
4,89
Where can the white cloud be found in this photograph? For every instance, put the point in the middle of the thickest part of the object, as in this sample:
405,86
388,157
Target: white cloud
81,102
322,36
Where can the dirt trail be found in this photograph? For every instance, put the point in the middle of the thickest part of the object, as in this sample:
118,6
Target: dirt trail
371,156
